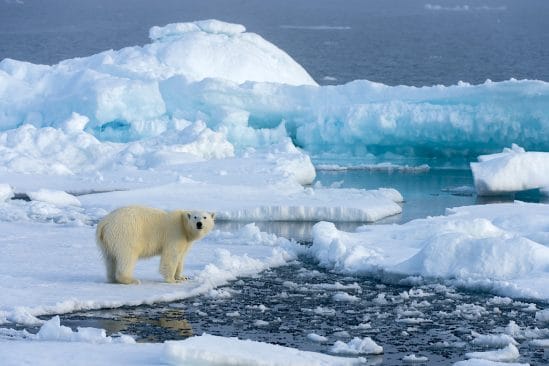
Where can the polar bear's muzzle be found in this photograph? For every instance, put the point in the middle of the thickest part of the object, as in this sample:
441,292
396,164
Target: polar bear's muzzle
199,225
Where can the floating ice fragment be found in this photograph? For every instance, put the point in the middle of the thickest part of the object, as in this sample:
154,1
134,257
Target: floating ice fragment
412,358
357,346
316,337
507,354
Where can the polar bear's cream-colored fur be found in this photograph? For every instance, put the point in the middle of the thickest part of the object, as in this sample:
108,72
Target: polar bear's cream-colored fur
134,232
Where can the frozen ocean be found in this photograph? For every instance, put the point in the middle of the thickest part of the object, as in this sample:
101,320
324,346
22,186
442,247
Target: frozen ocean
379,172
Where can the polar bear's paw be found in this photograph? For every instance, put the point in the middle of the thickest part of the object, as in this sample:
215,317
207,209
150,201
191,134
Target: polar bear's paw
128,281
182,278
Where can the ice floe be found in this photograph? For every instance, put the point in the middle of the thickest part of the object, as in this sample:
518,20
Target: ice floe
53,269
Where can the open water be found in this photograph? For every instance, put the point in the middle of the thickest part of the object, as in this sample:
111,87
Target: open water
410,42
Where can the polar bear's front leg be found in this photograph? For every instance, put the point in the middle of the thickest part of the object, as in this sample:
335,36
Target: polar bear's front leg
169,264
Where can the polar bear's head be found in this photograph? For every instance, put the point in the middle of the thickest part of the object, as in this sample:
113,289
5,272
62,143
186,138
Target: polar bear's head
198,223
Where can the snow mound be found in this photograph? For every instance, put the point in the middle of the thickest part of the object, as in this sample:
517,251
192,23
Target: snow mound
212,350
512,170
502,248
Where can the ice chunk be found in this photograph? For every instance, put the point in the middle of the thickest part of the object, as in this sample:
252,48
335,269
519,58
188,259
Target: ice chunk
213,350
480,362
412,358
357,346
512,170
316,337
52,330
493,340
507,354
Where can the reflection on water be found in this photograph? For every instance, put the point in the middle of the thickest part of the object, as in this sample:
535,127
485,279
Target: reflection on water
170,323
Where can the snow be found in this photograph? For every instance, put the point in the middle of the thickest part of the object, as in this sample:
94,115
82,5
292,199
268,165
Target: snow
502,248
512,170
357,346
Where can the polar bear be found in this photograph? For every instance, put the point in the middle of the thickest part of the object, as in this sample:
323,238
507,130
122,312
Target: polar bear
129,233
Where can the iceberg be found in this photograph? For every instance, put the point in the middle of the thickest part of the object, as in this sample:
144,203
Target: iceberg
510,171
241,85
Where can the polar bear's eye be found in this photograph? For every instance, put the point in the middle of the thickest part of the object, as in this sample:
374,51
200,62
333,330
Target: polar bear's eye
204,217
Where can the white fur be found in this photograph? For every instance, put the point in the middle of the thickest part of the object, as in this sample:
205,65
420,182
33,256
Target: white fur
134,232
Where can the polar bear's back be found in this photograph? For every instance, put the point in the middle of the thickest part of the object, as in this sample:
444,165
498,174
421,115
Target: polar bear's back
134,229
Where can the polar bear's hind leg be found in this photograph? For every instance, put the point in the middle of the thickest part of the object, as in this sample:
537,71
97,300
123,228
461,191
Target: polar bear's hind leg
124,271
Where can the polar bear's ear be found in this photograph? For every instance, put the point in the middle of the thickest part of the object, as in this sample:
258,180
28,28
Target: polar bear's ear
212,214
185,216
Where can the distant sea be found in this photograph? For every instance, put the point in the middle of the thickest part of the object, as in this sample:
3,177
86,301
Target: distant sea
410,42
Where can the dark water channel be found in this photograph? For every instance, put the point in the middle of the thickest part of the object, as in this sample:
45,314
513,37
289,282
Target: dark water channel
287,304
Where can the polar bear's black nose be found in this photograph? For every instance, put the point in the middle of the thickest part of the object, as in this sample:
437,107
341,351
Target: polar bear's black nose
199,225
